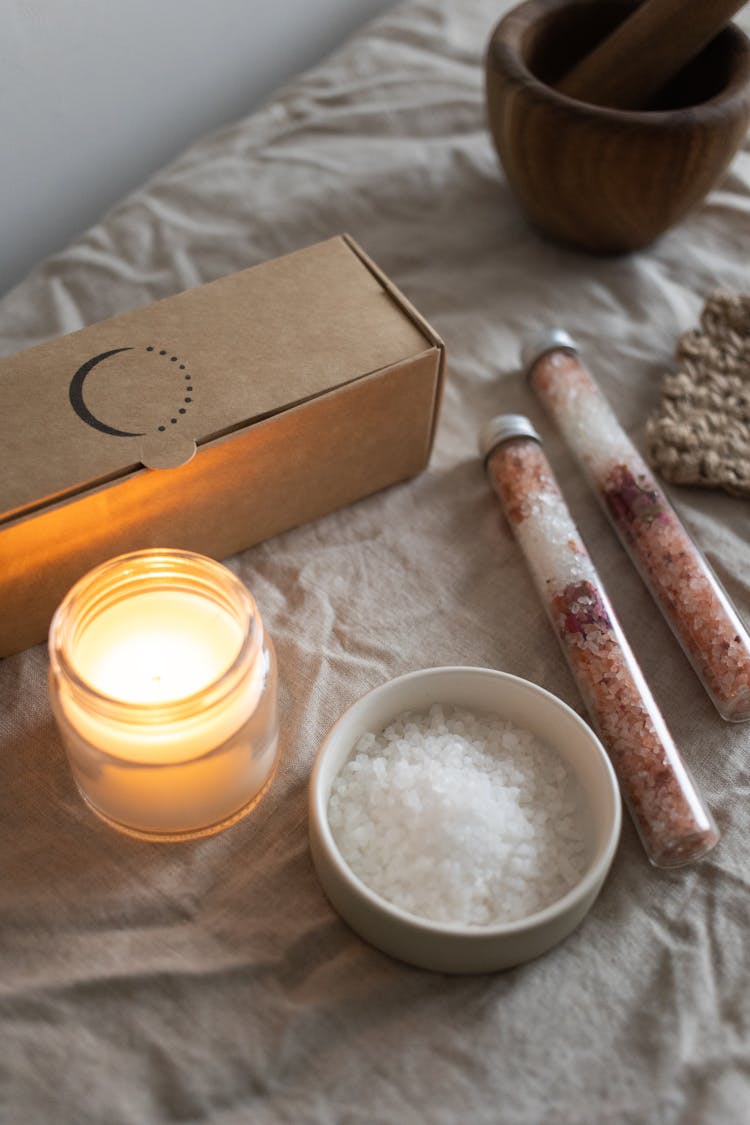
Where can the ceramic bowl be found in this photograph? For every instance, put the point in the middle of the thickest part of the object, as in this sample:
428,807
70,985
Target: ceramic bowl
604,179
463,948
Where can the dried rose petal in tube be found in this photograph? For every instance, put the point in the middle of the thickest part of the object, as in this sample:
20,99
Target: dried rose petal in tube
673,822
704,621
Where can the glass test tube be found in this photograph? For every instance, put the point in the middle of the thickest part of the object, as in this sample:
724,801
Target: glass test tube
702,618
674,824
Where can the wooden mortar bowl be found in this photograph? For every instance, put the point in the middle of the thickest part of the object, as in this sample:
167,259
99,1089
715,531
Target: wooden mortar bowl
604,179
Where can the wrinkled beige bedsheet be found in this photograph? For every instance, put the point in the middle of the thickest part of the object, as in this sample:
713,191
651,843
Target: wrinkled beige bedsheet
212,981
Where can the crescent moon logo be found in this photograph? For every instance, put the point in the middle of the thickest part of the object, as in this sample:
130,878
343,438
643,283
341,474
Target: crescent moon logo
77,400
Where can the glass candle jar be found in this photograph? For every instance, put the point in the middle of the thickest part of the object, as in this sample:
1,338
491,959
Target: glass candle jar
164,687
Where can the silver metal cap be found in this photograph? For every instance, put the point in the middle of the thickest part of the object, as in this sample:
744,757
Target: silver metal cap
502,428
544,340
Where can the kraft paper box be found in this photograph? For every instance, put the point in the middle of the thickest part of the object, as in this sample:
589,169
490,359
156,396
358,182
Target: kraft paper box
208,421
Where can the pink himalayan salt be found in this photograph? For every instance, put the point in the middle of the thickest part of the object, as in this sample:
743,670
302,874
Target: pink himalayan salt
673,823
679,579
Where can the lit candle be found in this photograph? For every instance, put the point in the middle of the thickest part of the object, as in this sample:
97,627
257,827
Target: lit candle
163,684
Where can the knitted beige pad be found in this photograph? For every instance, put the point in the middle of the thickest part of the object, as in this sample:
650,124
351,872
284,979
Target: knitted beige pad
701,432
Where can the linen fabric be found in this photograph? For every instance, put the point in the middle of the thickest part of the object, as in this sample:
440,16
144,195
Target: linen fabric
212,981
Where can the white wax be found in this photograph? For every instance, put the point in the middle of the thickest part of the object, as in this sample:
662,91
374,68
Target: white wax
157,646
160,646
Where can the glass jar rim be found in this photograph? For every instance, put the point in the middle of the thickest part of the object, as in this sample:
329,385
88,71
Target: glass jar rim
154,568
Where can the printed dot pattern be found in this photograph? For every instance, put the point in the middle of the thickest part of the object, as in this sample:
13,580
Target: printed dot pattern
188,380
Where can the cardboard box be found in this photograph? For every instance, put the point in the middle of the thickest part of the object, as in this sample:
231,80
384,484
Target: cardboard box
209,421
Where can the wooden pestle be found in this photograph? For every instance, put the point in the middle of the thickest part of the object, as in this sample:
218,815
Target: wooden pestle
647,49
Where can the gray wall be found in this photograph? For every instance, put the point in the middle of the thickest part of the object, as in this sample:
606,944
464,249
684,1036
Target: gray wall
97,94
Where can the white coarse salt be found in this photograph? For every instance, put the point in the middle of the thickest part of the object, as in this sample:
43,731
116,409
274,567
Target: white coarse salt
459,818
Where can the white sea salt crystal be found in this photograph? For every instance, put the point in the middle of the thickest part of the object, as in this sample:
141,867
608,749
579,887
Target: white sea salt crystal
459,817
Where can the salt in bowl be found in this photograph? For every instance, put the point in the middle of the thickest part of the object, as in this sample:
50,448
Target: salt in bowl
460,948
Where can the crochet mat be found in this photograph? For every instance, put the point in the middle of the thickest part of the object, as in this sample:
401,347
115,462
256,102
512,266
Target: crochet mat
700,433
